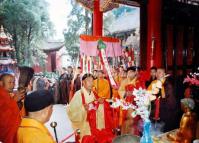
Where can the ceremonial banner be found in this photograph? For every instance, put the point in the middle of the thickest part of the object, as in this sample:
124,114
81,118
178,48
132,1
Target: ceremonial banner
102,54
93,46
88,46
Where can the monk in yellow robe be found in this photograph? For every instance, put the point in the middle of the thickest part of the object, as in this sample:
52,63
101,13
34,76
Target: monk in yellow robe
77,111
102,86
122,75
32,129
85,103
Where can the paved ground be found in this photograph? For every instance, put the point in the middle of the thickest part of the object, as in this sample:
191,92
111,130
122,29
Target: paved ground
64,127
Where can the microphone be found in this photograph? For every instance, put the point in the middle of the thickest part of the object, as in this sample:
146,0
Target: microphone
53,125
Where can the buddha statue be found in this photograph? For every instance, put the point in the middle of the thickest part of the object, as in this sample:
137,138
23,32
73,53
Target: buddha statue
187,131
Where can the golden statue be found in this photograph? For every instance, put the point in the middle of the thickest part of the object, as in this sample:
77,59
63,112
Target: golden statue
187,131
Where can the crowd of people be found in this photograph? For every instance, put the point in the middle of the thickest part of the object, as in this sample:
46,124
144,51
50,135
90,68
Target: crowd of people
88,98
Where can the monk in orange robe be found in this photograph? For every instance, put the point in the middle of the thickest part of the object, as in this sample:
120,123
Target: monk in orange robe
102,86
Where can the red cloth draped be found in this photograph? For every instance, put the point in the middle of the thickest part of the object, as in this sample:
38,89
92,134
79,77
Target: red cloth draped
104,135
157,109
9,118
130,99
116,116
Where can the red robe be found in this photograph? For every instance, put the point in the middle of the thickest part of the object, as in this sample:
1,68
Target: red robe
9,117
130,99
99,136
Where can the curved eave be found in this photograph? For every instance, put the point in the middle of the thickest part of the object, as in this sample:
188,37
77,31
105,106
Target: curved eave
106,6
135,3
7,61
88,4
6,48
53,49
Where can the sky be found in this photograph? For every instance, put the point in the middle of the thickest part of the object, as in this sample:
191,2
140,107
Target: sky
58,11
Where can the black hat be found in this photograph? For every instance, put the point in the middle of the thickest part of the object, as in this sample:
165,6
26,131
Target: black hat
133,68
38,100
87,75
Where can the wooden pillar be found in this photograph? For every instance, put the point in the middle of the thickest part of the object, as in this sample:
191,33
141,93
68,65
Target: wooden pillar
154,50
143,34
175,37
186,42
97,19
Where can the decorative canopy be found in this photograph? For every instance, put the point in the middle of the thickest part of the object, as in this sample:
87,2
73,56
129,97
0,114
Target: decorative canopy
88,46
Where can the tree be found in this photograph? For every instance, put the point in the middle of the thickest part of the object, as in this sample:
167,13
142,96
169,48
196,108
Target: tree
122,9
108,20
28,23
79,23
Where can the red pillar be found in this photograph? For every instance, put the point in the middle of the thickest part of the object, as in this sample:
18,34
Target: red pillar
97,19
154,50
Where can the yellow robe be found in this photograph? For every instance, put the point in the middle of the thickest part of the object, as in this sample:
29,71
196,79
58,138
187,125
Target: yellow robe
102,87
32,131
78,115
115,93
153,86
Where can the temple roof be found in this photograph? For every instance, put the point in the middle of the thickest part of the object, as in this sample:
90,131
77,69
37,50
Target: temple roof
120,24
4,35
6,48
5,40
105,5
128,2
7,61
49,46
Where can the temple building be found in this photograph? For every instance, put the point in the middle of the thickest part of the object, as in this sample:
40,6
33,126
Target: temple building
168,31
56,53
7,62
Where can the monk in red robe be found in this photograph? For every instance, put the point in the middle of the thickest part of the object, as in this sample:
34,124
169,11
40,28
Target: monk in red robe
10,114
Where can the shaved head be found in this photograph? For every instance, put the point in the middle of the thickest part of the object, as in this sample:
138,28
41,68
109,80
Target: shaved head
160,73
7,81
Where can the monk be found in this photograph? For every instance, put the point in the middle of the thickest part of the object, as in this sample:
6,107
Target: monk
32,129
10,114
165,101
122,74
75,83
153,71
116,78
102,86
130,125
89,113
7,81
